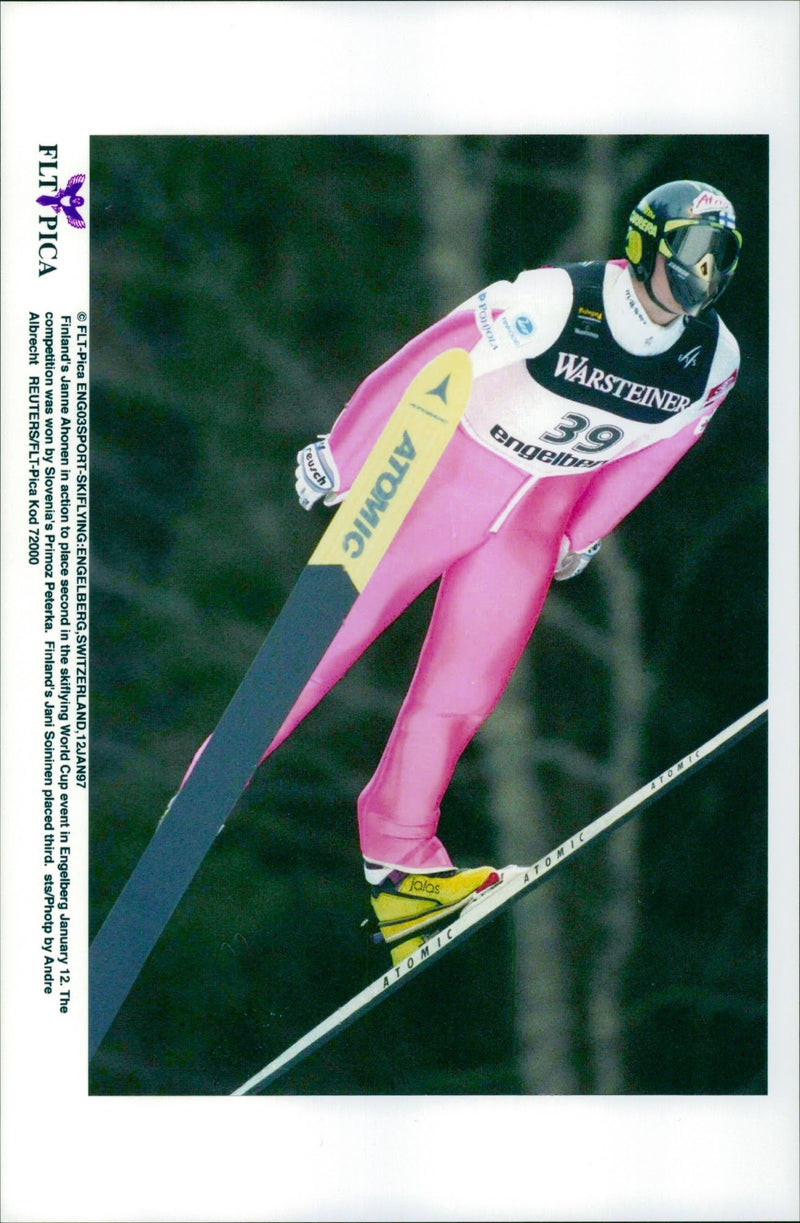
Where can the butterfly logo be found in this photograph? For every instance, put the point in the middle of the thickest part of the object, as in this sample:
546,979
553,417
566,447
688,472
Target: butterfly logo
67,201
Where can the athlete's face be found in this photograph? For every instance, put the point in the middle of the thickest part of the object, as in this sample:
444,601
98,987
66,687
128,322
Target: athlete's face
660,286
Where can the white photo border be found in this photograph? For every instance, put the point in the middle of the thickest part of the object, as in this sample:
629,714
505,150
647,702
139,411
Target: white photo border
73,70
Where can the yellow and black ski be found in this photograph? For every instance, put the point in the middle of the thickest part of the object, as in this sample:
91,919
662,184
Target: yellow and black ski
483,907
356,540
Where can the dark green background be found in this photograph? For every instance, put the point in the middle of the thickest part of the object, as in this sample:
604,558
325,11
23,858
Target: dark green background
241,289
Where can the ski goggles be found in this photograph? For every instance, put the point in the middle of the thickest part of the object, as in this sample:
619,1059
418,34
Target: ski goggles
692,242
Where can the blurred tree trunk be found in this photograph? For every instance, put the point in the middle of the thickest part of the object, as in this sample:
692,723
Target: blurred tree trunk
543,1013
455,201
619,649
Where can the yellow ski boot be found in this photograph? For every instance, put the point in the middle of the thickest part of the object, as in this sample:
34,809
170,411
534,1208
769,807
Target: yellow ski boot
409,907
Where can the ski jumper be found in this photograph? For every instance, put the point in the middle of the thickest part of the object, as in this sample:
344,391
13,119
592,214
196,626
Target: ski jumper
580,406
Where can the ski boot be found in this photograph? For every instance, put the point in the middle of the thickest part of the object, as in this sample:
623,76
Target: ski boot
409,908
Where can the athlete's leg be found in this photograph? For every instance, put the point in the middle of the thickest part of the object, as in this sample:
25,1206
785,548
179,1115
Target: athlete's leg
486,609
451,517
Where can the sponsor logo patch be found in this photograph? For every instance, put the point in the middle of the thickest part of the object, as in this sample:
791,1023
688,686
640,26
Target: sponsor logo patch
376,504
425,885
687,359
640,222
573,367
483,321
709,201
717,393
530,452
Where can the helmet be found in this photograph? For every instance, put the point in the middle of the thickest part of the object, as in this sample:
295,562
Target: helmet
694,227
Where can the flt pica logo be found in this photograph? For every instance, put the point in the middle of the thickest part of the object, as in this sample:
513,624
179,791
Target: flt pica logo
60,201
68,200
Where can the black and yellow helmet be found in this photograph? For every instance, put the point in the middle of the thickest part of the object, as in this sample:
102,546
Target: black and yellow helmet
694,227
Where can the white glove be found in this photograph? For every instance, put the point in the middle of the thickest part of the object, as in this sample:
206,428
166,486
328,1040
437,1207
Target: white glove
569,563
316,475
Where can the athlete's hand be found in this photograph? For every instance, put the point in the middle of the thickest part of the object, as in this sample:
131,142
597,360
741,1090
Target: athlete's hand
316,475
569,563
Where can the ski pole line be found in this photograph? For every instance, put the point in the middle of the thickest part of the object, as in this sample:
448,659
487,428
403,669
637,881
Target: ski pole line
515,883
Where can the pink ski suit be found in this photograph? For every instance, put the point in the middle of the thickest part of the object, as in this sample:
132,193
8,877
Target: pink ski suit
580,406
